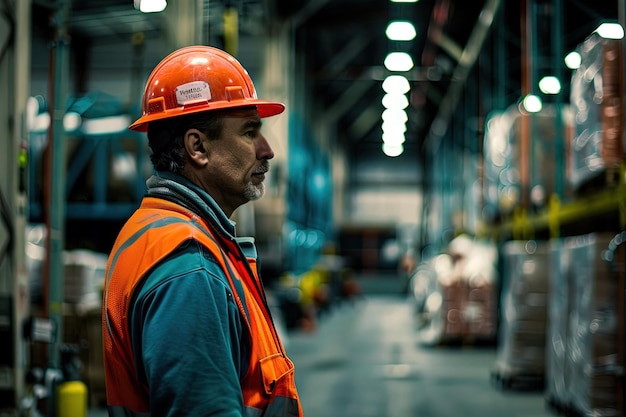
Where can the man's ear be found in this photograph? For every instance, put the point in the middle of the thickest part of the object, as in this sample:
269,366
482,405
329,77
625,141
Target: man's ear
194,146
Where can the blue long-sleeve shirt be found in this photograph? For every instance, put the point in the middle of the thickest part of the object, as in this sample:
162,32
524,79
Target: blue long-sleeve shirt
187,337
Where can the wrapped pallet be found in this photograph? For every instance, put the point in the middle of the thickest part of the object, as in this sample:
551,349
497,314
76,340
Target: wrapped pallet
469,293
519,171
593,344
455,295
558,381
427,300
520,359
586,320
597,103
83,276
83,271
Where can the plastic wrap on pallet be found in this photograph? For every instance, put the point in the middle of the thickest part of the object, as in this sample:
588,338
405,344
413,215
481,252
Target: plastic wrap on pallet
427,298
503,184
83,276
83,271
525,287
455,294
501,188
469,292
597,103
593,345
595,327
557,379
615,258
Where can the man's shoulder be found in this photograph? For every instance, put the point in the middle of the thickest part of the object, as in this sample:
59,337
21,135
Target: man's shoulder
190,258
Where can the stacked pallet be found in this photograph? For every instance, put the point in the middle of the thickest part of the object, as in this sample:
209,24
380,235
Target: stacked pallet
559,311
520,360
585,352
469,312
455,295
511,179
469,293
596,150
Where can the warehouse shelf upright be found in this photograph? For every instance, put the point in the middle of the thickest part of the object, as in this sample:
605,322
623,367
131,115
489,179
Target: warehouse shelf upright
94,159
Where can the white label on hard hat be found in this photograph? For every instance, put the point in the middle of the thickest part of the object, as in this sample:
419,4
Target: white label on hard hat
195,90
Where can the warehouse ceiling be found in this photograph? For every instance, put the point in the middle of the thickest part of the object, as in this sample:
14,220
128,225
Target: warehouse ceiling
342,46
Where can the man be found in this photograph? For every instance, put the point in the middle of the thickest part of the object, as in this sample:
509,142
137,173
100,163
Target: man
186,327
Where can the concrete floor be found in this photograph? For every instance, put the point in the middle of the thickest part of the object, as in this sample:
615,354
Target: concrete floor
365,361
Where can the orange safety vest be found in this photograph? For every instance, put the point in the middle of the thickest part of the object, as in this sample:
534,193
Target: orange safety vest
156,229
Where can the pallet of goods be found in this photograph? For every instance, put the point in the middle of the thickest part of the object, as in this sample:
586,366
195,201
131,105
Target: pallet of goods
520,359
585,347
596,151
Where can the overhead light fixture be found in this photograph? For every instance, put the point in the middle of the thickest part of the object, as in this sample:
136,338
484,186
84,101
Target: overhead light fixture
404,1
392,150
150,6
531,104
398,61
550,85
573,60
395,101
395,116
394,138
390,127
610,31
398,84
400,30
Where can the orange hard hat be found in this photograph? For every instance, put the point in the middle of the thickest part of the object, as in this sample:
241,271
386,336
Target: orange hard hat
196,79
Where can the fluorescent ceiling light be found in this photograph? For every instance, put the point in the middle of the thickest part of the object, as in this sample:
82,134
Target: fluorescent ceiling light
573,60
400,30
395,116
532,104
398,61
392,150
390,127
395,138
395,101
550,85
396,84
610,31
404,1
150,6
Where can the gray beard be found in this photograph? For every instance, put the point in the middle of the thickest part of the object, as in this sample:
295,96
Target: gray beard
254,192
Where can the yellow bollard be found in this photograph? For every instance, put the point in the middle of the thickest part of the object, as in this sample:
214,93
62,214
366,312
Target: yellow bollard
72,399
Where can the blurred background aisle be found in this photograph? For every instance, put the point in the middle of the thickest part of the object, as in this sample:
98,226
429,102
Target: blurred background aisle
365,360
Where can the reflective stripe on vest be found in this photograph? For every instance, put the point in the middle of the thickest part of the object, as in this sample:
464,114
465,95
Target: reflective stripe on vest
154,231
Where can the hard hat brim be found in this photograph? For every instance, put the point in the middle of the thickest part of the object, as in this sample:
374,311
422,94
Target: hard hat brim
265,109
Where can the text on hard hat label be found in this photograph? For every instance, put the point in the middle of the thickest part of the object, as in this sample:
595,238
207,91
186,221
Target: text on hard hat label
194,90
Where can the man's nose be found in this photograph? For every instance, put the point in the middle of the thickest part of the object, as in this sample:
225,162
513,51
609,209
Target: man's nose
264,151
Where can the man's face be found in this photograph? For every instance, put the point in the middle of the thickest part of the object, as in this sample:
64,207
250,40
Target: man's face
237,161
